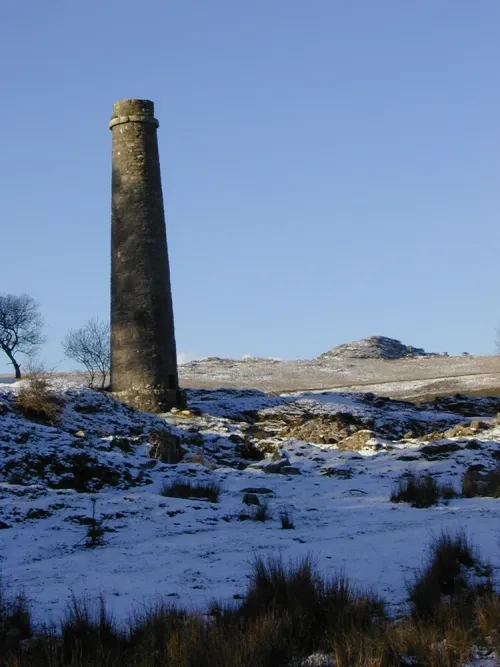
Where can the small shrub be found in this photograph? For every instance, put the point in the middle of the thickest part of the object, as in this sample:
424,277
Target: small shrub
165,633
95,530
447,576
488,619
90,347
89,636
447,491
286,520
15,620
201,491
443,641
261,512
36,400
314,611
416,490
479,483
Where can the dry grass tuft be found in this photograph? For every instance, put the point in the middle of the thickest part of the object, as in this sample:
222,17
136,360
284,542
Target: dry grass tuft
185,489
454,575
36,400
289,613
418,491
478,483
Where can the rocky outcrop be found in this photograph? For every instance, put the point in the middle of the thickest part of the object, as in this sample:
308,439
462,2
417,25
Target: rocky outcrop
324,429
360,440
374,347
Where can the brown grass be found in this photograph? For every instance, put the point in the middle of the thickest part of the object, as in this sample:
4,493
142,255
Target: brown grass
452,561
289,612
36,400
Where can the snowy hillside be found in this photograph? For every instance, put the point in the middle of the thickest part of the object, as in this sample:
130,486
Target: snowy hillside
328,460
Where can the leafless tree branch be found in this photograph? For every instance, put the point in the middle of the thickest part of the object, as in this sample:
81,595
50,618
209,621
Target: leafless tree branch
90,346
20,327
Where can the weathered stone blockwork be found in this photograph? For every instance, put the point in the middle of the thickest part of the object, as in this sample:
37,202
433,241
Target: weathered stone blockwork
143,351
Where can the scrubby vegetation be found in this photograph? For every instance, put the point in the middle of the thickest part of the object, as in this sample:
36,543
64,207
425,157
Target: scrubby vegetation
423,490
95,530
286,519
454,575
481,483
36,400
15,621
261,511
185,489
289,612
420,490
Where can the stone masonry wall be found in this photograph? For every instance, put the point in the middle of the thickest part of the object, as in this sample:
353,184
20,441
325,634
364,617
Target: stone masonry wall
143,350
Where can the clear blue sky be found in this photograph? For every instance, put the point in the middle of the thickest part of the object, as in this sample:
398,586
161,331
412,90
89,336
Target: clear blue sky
331,169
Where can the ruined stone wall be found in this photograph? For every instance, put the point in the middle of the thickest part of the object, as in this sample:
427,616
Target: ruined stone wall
143,351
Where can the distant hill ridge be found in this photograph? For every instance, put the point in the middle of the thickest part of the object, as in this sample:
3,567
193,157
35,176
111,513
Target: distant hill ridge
375,347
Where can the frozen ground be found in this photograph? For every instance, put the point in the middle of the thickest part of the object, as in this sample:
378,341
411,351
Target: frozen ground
335,485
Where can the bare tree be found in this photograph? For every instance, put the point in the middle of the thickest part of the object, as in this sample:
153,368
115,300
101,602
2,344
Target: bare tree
20,327
90,346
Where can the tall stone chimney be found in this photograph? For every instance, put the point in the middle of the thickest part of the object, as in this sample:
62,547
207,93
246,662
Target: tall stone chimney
143,352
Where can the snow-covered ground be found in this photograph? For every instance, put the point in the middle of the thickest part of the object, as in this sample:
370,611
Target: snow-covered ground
194,551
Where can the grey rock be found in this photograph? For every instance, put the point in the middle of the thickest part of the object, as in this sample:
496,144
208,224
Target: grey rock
251,499
257,489
282,468
166,447
375,347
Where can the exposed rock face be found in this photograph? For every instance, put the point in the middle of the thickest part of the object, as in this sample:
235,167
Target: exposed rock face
321,429
460,431
375,347
251,499
359,440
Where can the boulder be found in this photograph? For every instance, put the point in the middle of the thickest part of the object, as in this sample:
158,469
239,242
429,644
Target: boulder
251,499
466,430
165,446
257,489
282,467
